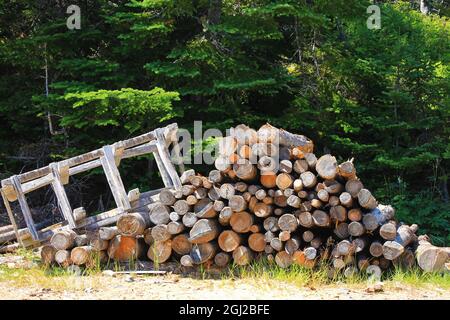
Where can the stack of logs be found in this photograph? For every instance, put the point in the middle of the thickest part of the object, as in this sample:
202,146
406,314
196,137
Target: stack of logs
269,196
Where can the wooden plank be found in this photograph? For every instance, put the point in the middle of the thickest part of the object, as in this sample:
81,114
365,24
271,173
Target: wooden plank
63,200
25,208
162,170
11,217
114,179
165,157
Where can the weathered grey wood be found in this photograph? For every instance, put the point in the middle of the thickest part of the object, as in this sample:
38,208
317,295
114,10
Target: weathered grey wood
165,157
25,208
63,200
114,179
11,218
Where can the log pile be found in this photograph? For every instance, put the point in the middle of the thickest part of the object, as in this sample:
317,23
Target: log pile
269,196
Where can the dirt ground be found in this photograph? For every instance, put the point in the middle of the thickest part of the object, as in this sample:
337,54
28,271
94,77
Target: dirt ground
21,280
175,287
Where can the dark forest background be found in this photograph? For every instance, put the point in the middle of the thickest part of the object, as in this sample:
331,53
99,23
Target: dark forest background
309,66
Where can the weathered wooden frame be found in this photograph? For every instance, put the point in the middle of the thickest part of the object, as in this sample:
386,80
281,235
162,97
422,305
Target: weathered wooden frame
108,157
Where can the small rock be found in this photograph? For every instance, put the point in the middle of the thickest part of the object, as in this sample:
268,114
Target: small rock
108,273
377,287
129,279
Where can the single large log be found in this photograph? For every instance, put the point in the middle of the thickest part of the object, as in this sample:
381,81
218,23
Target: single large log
431,258
271,224
245,170
204,231
229,240
388,231
347,170
270,134
321,218
354,214
284,181
81,240
48,254
366,200
242,255
268,179
241,222
309,179
63,240
160,233
338,213
160,251
305,219
292,245
205,209
132,224
288,222
376,249
225,216
215,176
237,203
356,229
353,187
62,257
189,219
341,230
181,244
222,259
180,206
300,166
124,248
257,242
107,233
226,191
175,227
159,214
283,259
98,244
326,167
167,197
81,255
201,253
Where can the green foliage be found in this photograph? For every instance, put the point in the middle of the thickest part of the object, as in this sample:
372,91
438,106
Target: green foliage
313,67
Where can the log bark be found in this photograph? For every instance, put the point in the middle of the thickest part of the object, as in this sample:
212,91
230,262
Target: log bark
205,209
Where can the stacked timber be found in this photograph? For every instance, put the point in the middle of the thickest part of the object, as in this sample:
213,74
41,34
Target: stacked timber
268,196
